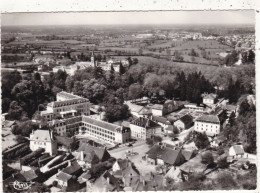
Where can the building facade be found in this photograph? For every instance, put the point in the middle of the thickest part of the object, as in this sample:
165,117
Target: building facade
43,139
104,131
144,128
210,124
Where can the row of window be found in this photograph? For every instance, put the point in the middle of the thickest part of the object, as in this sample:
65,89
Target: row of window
206,125
39,143
67,104
99,135
98,129
206,129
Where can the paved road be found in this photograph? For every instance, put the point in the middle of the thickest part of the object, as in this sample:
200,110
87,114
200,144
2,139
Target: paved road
124,148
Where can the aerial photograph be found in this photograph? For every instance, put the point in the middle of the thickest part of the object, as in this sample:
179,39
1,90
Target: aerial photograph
128,101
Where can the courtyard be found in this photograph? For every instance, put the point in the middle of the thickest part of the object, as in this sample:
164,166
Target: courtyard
140,147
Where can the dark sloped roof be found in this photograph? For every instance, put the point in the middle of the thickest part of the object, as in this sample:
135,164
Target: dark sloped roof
72,169
91,157
66,141
161,120
123,163
29,175
209,118
103,182
130,171
187,154
187,119
168,155
102,153
144,122
63,176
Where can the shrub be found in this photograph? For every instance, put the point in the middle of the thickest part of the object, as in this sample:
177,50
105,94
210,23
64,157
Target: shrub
226,181
222,163
207,158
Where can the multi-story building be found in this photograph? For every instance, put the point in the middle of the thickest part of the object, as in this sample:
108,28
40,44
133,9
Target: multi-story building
144,128
43,139
209,99
210,124
65,106
104,131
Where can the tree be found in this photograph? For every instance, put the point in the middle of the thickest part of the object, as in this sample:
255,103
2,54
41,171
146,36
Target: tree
201,140
135,91
15,111
116,112
207,158
222,163
232,119
24,128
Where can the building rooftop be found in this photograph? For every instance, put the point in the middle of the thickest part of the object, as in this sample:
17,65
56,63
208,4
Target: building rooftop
155,106
209,119
134,107
67,95
63,176
209,96
74,167
238,149
102,153
144,122
168,155
41,135
161,120
186,119
99,123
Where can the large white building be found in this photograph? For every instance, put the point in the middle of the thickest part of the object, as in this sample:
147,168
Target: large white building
66,105
210,124
104,131
43,139
144,128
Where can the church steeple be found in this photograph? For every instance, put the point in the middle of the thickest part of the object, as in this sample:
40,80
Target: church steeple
92,59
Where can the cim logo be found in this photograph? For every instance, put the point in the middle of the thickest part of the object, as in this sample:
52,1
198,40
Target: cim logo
21,185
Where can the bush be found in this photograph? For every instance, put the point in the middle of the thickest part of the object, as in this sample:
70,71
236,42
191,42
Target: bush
249,186
226,181
157,138
207,158
222,163
220,151
201,140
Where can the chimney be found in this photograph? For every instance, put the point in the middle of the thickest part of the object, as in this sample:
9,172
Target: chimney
81,155
51,135
69,163
108,180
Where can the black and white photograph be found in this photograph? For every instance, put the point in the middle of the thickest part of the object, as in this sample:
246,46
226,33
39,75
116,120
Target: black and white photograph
128,101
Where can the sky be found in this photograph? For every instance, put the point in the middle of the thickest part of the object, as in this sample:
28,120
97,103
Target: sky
148,17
